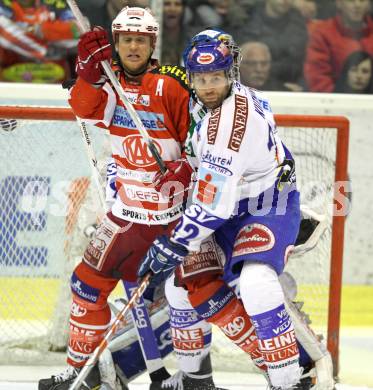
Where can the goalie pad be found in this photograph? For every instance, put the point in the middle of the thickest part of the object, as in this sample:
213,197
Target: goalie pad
323,370
125,348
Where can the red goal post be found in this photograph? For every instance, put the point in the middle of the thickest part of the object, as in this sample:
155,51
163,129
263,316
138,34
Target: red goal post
310,129
342,126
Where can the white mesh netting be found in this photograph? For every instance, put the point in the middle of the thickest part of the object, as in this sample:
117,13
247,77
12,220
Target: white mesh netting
47,200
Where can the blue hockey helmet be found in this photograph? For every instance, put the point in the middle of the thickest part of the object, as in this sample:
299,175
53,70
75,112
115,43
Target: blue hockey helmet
211,35
205,36
209,57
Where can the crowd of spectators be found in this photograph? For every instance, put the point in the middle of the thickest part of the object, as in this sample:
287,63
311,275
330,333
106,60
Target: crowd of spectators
287,45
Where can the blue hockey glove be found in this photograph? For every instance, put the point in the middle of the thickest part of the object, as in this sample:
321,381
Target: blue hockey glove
161,259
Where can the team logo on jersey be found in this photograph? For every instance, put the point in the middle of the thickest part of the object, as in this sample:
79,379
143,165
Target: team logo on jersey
205,260
279,348
77,310
137,152
213,126
150,120
83,290
217,163
257,104
187,339
253,238
135,98
182,318
241,111
206,190
209,187
234,327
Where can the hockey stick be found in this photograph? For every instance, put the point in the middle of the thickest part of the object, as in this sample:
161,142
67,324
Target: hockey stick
146,337
84,27
147,341
93,359
92,162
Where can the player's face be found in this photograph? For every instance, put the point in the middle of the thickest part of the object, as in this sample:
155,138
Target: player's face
255,67
353,11
172,13
358,76
134,51
211,87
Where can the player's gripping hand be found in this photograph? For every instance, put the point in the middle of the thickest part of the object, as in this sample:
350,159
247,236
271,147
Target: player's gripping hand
93,47
161,259
176,180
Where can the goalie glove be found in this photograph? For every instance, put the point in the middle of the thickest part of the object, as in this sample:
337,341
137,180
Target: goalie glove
176,180
93,47
161,259
286,174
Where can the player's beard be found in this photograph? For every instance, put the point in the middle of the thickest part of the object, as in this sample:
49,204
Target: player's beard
215,99
212,104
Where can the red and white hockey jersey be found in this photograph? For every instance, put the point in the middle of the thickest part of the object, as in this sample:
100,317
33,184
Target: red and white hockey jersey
161,101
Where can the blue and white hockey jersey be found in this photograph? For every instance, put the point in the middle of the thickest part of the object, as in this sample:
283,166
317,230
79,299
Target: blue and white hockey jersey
237,154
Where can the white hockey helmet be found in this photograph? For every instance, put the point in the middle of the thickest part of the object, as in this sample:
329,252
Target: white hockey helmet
136,20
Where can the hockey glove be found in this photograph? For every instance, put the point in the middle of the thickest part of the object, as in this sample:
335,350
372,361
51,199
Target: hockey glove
176,180
287,174
161,259
93,47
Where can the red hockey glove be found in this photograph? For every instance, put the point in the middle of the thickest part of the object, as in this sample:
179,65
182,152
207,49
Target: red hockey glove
178,176
93,47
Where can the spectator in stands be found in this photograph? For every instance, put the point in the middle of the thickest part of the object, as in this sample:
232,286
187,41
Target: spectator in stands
334,40
307,8
228,15
36,39
255,69
283,29
357,74
174,37
96,12
326,9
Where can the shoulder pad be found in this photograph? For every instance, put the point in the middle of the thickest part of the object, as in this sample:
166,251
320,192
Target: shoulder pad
174,71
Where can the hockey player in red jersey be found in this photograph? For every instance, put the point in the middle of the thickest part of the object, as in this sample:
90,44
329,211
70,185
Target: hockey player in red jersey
35,40
139,213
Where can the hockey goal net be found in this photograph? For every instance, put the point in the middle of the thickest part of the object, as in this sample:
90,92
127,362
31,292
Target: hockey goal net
47,200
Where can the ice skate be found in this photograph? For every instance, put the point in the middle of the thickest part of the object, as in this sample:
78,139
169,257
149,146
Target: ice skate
64,380
200,380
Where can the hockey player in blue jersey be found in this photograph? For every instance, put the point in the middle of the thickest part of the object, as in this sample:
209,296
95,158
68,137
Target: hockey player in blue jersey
246,195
